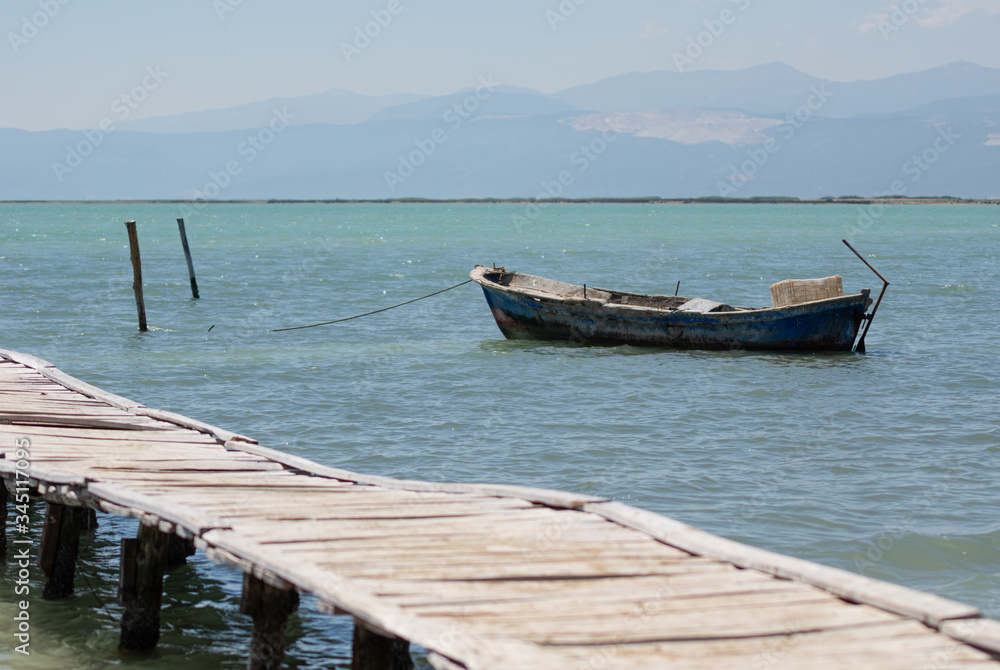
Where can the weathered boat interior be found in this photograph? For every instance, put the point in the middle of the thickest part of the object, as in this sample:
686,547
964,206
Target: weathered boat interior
558,289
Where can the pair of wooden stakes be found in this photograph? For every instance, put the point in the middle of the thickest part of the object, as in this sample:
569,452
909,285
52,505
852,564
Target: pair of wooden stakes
133,241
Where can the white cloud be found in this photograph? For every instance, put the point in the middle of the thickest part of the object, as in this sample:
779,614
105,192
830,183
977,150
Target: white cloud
653,29
871,22
931,13
949,11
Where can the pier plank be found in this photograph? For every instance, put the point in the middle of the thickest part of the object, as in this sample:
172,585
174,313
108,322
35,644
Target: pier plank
161,434
901,600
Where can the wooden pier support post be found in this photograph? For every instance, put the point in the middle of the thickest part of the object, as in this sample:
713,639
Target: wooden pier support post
133,243
140,588
187,255
376,650
4,500
60,546
86,518
269,607
178,551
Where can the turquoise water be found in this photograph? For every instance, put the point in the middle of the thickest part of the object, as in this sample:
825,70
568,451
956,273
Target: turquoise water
885,463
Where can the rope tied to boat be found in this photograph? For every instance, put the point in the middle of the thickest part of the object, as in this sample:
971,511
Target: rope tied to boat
377,311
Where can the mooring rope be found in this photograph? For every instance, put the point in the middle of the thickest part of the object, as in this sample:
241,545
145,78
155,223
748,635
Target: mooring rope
384,309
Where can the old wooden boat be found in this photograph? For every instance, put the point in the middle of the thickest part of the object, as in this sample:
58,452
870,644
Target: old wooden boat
805,315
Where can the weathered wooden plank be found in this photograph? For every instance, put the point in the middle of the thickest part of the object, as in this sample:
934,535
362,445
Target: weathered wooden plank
168,451
455,511
462,541
230,484
171,481
509,528
269,504
29,381
68,407
982,633
351,506
439,662
81,460
50,444
512,528
461,556
899,646
52,373
78,436
629,609
372,497
70,402
278,485
95,469
344,495
76,420
698,589
683,589
166,483
193,519
8,467
442,571
84,459
925,607
852,648
640,627
542,496
15,392
219,433
546,525
444,539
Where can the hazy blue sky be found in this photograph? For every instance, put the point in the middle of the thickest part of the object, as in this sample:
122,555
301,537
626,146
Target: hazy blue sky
64,65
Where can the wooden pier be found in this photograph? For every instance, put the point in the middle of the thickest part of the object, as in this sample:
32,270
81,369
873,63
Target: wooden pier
484,577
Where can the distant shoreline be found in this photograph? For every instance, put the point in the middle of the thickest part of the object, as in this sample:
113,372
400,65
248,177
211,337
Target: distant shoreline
777,200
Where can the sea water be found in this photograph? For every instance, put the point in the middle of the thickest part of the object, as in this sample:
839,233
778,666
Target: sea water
885,463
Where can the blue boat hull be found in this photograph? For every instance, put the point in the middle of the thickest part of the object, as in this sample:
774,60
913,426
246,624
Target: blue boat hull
824,325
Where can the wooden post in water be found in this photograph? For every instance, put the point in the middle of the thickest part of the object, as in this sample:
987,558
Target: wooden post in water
3,517
133,243
269,606
86,518
60,546
376,650
178,551
140,588
187,255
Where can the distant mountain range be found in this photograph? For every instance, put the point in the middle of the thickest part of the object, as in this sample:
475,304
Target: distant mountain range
766,130
336,106
777,88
